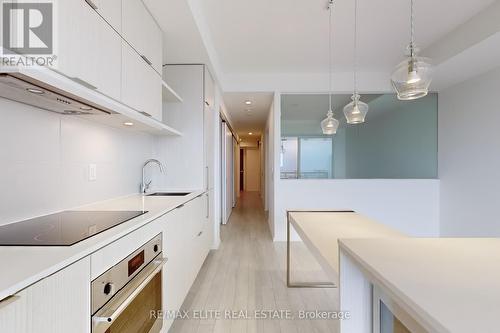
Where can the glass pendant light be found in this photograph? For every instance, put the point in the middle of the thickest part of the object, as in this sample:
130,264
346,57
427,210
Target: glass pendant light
330,125
355,112
411,78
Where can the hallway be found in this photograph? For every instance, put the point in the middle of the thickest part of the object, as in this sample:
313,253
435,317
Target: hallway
247,274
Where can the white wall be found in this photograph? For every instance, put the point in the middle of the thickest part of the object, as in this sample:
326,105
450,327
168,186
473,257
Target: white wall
469,157
410,206
45,156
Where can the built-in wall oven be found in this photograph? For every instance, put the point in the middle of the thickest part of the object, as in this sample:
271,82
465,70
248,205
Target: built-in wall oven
128,297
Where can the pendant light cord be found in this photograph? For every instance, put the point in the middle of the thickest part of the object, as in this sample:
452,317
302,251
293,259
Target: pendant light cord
355,47
330,9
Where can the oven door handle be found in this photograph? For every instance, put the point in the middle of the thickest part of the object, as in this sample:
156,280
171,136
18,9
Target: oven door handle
105,317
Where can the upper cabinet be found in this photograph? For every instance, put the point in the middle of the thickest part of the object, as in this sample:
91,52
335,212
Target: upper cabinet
110,10
140,29
114,47
89,49
141,85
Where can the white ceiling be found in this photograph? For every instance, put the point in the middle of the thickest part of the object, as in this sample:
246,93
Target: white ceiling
259,45
245,121
285,36
182,42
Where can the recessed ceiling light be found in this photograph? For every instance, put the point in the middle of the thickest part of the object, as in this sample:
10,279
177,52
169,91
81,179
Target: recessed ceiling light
250,133
86,108
128,123
36,91
73,112
248,102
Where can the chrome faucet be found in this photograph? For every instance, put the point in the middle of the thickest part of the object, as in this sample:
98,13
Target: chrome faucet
145,185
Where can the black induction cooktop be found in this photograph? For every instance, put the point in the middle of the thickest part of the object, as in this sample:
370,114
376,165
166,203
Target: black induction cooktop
62,229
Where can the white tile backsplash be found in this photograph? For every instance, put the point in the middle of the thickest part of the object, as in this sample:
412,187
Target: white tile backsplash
44,160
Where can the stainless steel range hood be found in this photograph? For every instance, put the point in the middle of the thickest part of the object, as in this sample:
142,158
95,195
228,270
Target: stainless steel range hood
23,88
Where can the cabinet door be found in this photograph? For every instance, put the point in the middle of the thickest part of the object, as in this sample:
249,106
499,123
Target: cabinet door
185,153
89,49
209,89
75,37
176,275
141,85
110,10
141,31
59,303
210,117
107,58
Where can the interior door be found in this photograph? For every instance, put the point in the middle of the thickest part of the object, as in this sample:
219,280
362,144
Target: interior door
226,172
229,172
252,170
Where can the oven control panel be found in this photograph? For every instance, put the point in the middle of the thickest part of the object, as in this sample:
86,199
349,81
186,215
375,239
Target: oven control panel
111,281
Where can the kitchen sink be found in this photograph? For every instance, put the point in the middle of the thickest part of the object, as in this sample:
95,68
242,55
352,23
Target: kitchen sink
168,194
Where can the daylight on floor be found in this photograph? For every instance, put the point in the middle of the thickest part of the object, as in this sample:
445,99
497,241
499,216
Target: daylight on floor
265,166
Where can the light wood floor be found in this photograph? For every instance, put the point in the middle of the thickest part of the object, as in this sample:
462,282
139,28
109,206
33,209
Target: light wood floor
247,272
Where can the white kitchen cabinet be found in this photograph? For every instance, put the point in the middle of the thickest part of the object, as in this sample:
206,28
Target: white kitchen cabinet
140,29
89,50
209,92
110,10
186,250
209,120
59,303
184,155
141,85
191,156
210,116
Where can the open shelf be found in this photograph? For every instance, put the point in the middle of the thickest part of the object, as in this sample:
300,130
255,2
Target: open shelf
169,94
120,113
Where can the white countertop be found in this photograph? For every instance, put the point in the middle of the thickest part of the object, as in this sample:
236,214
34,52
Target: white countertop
447,284
25,265
321,231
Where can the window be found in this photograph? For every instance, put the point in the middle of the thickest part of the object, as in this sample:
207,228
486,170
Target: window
306,157
397,141
289,158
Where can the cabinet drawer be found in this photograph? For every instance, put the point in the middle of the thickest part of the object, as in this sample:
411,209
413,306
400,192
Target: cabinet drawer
110,255
59,303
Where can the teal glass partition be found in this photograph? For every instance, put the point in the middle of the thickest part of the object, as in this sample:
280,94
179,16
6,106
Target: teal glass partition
397,141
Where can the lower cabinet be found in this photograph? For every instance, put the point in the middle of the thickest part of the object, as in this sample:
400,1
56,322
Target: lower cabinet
186,244
59,303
